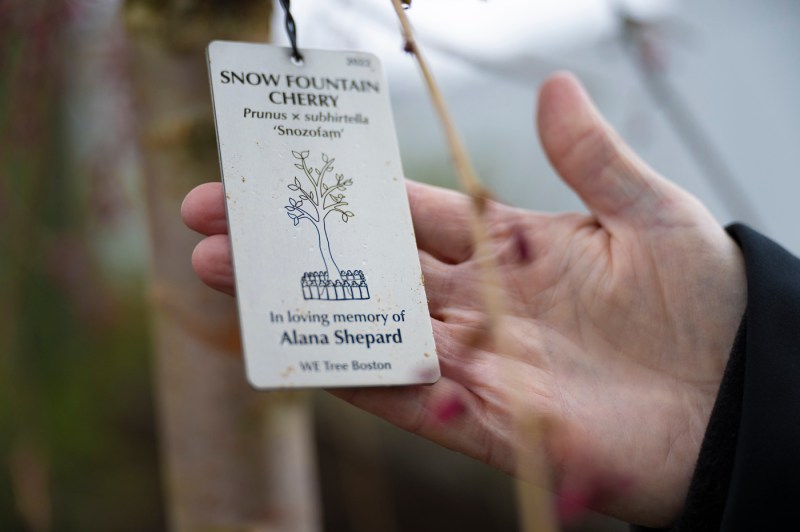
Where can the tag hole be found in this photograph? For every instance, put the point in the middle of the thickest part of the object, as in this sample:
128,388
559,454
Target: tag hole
297,60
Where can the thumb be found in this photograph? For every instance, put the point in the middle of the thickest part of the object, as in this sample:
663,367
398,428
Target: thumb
591,158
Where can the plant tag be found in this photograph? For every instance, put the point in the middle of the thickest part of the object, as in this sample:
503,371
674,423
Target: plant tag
328,280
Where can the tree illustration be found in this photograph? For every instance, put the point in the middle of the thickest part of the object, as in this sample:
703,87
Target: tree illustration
316,200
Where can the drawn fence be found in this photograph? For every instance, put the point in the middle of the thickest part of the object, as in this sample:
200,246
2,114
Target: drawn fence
352,286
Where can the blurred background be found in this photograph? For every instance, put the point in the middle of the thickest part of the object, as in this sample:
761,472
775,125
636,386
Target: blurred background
122,400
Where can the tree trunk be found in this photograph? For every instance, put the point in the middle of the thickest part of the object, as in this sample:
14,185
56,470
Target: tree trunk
334,274
233,459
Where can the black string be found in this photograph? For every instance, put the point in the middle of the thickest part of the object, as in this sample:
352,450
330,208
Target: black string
291,30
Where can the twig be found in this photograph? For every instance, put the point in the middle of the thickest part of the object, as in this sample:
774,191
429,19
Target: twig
468,179
536,513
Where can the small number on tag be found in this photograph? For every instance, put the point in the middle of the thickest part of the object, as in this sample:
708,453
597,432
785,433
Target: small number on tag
358,61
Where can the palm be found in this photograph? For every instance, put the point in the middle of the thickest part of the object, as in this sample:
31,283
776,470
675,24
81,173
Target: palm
616,330
605,334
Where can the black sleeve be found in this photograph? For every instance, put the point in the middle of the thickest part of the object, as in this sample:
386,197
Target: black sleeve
748,472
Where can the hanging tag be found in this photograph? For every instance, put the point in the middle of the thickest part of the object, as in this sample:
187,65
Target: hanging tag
328,280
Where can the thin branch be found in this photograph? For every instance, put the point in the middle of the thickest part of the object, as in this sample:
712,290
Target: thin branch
466,173
536,513
308,197
310,176
334,187
334,210
467,178
305,194
325,169
307,214
340,204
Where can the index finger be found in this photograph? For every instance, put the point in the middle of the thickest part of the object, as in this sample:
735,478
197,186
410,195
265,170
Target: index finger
203,209
441,221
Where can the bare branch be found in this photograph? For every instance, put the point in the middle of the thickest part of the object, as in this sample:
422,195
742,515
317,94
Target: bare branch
533,504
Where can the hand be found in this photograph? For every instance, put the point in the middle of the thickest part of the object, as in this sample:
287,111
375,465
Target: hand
619,322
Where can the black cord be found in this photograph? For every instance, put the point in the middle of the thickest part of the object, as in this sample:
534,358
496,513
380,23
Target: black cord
291,30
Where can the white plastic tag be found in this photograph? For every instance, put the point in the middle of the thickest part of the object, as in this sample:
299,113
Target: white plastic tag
328,279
